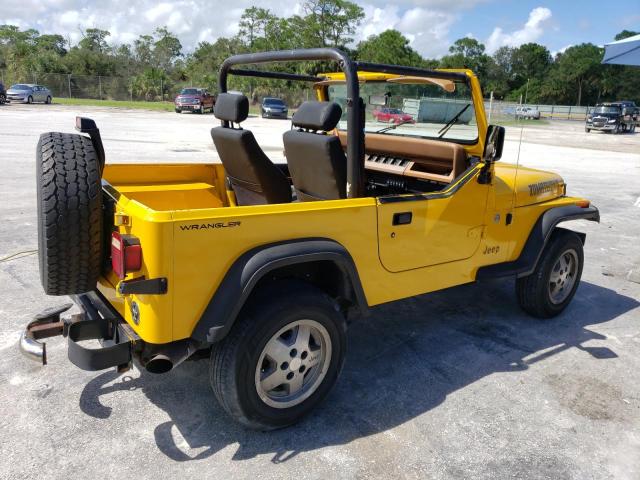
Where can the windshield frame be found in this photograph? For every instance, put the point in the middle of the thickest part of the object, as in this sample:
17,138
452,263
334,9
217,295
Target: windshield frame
455,77
198,91
608,109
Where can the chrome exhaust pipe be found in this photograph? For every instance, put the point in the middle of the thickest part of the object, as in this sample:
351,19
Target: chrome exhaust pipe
171,356
33,349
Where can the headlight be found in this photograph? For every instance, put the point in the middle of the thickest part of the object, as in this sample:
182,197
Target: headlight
613,120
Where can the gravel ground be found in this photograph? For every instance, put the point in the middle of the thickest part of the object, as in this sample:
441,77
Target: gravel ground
456,384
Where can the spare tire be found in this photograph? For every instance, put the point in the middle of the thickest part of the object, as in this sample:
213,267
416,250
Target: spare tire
69,213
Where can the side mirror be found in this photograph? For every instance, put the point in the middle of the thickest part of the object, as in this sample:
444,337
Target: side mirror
493,144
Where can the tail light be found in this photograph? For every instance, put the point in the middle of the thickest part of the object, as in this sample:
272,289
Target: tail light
126,254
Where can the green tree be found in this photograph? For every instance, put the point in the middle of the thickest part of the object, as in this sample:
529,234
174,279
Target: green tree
389,47
330,23
576,75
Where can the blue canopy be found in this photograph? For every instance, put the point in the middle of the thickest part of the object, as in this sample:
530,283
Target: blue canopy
623,52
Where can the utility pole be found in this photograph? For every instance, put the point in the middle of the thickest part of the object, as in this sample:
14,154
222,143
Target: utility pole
490,106
69,83
526,93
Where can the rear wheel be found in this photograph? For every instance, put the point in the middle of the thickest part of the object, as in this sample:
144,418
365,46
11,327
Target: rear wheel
549,289
587,129
282,357
178,110
48,100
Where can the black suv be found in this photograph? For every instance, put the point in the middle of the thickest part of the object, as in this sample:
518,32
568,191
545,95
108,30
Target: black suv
615,117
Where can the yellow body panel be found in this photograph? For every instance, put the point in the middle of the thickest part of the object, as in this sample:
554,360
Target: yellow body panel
195,259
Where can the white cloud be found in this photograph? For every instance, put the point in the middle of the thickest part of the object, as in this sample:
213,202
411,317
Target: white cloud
426,23
426,29
530,32
561,50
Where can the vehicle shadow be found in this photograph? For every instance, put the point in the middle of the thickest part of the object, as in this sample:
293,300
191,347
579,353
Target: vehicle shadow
403,360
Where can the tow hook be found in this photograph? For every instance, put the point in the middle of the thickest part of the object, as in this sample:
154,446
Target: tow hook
44,325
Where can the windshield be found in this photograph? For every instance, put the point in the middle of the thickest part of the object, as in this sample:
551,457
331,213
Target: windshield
413,106
273,101
189,91
20,87
606,110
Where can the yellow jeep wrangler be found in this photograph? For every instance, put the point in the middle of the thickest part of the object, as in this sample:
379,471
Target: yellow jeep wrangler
391,188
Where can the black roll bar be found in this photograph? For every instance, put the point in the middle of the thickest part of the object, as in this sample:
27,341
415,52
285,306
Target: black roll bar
415,71
355,123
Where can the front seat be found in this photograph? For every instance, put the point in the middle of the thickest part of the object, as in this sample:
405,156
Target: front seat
317,163
254,178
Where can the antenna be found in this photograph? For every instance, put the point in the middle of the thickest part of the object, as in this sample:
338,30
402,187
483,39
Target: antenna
515,178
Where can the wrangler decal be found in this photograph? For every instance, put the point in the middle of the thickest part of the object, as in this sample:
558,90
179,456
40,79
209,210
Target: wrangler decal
207,226
543,187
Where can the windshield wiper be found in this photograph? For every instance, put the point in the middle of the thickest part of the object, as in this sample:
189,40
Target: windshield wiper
386,129
451,122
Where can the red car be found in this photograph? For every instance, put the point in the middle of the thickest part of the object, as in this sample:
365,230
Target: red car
194,100
392,115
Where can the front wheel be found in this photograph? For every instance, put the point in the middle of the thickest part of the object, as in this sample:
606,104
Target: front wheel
587,129
282,357
549,289
29,99
48,100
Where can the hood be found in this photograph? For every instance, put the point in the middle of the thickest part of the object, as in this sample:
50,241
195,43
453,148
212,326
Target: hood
188,95
532,185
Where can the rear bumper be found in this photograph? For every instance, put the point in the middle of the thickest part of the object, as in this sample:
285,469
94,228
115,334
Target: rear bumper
97,321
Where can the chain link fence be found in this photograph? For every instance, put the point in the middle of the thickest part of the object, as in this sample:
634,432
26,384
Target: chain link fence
499,111
145,89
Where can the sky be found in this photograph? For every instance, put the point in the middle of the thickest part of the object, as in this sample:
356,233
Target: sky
431,25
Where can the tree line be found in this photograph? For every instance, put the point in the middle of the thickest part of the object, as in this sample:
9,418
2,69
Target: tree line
155,64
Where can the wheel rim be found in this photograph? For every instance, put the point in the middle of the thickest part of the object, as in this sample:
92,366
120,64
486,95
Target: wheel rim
563,276
293,364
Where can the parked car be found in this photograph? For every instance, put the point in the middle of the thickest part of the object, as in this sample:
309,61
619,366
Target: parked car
194,99
630,114
392,115
3,94
273,108
612,117
531,113
29,93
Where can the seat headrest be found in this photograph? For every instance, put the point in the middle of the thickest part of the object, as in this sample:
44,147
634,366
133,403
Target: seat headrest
317,116
231,107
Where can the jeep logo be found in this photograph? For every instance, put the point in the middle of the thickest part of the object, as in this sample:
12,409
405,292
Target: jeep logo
491,250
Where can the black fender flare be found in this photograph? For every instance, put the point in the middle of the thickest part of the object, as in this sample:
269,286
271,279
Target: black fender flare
538,238
243,275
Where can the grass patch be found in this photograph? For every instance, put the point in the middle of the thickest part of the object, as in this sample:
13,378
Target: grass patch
158,106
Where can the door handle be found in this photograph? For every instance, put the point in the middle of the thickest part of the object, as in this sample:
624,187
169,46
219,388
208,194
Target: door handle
402,218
